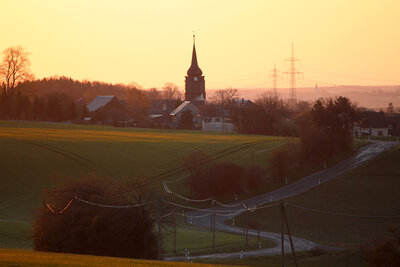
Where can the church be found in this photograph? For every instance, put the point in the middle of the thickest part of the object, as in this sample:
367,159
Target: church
195,89
195,93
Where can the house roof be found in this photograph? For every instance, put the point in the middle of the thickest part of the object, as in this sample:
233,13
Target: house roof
243,102
182,106
178,109
371,119
162,106
99,102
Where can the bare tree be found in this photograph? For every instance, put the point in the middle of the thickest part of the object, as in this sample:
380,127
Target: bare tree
390,108
15,67
137,101
225,96
171,91
153,93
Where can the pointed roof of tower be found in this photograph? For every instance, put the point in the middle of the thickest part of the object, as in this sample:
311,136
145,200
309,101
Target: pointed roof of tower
194,69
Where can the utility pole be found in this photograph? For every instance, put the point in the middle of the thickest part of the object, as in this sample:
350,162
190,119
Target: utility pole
213,227
159,227
282,237
247,227
274,76
293,72
73,210
290,236
211,215
174,232
258,228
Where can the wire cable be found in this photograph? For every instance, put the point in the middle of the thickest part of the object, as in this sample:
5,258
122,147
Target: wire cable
229,214
61,211
195,216
343,214
166,215
193,208
228,205
117,207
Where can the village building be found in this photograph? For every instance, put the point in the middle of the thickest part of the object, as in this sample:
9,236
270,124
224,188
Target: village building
195,89
371,124
160,110
186,106
109,110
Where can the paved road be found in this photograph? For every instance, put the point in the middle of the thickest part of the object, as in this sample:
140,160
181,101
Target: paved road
363,155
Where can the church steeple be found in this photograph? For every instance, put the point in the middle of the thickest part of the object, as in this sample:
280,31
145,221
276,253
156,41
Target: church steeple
194,81
194,69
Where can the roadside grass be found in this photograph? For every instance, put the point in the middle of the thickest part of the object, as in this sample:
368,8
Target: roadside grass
386,138
198,241
26,258
310,259
369,190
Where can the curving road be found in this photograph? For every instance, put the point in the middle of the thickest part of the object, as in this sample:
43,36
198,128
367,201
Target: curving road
363,155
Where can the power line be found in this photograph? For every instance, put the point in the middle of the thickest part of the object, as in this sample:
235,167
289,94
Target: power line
342,214
117,207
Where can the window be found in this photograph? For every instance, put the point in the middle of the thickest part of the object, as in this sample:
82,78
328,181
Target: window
195,79
380,133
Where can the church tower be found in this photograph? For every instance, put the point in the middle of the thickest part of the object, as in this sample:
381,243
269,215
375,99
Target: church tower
195,89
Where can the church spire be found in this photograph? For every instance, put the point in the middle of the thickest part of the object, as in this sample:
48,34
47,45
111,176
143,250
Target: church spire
194,69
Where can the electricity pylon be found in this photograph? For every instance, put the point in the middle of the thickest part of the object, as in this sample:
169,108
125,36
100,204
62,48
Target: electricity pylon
293,72
275,74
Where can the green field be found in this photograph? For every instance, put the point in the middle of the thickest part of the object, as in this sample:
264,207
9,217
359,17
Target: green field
37,156
350,258
370,190
34,156
25,258
199,241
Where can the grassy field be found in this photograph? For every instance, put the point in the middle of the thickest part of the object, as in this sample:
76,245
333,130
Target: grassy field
372,189
36,156
25,258
309,259
199,241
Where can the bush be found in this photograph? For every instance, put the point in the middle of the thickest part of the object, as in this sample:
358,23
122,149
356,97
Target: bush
384,252
226,178
88,229
284,159
254,176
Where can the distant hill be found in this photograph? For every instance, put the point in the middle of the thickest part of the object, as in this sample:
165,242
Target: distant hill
374,97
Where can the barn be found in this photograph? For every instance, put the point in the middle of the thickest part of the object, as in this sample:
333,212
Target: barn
108,110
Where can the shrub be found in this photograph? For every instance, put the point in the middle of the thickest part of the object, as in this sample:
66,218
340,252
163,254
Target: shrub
226,178
89,229
284,159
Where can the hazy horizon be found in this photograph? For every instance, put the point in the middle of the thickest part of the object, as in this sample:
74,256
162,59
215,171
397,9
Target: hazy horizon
150,42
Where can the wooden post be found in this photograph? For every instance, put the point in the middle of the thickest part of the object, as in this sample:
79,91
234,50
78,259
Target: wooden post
213,215
159,227
73,210
174,232
247,227
282,237
258,228
290,236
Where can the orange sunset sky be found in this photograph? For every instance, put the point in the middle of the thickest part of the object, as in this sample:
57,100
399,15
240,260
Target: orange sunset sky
150,42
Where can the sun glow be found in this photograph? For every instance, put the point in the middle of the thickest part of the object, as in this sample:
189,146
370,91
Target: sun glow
238,42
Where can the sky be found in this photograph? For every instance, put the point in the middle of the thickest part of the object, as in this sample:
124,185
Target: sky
338,42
